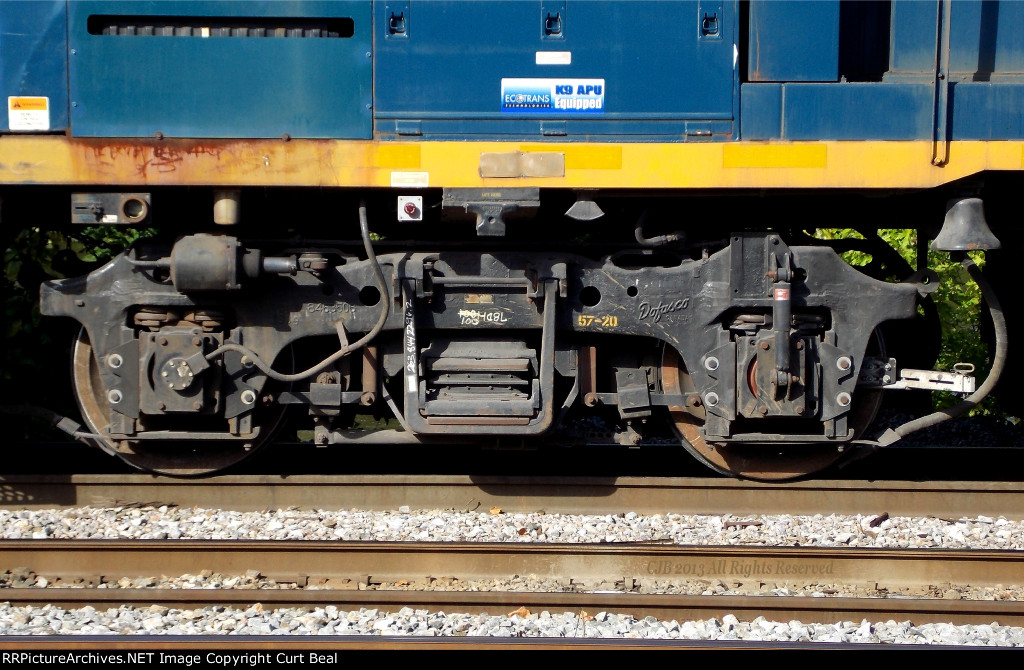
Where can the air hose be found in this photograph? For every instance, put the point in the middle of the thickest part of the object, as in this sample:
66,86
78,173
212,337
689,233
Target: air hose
998,363
345,350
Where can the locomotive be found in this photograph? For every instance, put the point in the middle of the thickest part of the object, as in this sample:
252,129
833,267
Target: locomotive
566,222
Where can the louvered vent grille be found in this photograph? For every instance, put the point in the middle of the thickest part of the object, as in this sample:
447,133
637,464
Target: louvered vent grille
219,26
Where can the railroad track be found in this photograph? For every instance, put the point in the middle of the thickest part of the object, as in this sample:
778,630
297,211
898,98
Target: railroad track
627,579
643,495
387,575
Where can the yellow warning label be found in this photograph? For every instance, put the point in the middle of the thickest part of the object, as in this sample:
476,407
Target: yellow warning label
27,104
28,112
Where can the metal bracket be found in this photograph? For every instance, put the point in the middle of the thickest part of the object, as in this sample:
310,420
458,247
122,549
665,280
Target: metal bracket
491,205
91,209
633,393
878,373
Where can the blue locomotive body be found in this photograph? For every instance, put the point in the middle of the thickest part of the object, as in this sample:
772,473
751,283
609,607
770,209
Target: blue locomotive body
669,71
607,206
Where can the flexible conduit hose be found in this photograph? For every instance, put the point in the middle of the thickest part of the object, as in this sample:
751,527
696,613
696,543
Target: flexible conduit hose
998,363
348,348
59,422
654,241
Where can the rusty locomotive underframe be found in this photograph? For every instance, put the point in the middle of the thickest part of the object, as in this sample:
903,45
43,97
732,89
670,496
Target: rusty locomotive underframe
761,358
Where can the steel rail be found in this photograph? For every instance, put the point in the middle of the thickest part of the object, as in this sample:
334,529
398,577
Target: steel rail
666,607
520,494
353,566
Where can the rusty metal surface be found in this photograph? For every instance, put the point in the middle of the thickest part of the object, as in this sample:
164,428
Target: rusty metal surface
520,494
781,462
379,563
59,159
312,562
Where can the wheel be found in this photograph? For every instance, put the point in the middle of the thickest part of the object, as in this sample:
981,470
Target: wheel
175,458
763,462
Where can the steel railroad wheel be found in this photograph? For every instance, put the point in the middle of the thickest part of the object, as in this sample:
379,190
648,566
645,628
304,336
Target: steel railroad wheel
763,462
173,458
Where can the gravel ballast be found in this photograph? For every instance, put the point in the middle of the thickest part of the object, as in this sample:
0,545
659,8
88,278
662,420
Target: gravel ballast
130,522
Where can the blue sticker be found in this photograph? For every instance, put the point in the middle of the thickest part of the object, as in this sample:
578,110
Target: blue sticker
552,96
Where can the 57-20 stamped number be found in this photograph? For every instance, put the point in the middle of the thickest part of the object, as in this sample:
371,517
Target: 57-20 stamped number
593,320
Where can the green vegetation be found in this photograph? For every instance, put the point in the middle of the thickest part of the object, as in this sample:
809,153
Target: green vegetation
957,300
36,360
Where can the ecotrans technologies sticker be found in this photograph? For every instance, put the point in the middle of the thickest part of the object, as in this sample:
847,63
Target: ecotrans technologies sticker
552,96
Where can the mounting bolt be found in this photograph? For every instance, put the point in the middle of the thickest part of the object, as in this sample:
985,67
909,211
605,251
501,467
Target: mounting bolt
711,399
114,396
844,399
765,346
162,341
115,361
247,362
711,363
248,396
844,363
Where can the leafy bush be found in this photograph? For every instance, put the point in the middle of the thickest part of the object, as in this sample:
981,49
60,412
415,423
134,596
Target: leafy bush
957,300
37,355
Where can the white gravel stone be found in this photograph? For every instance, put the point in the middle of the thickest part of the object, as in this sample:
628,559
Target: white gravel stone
166,522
